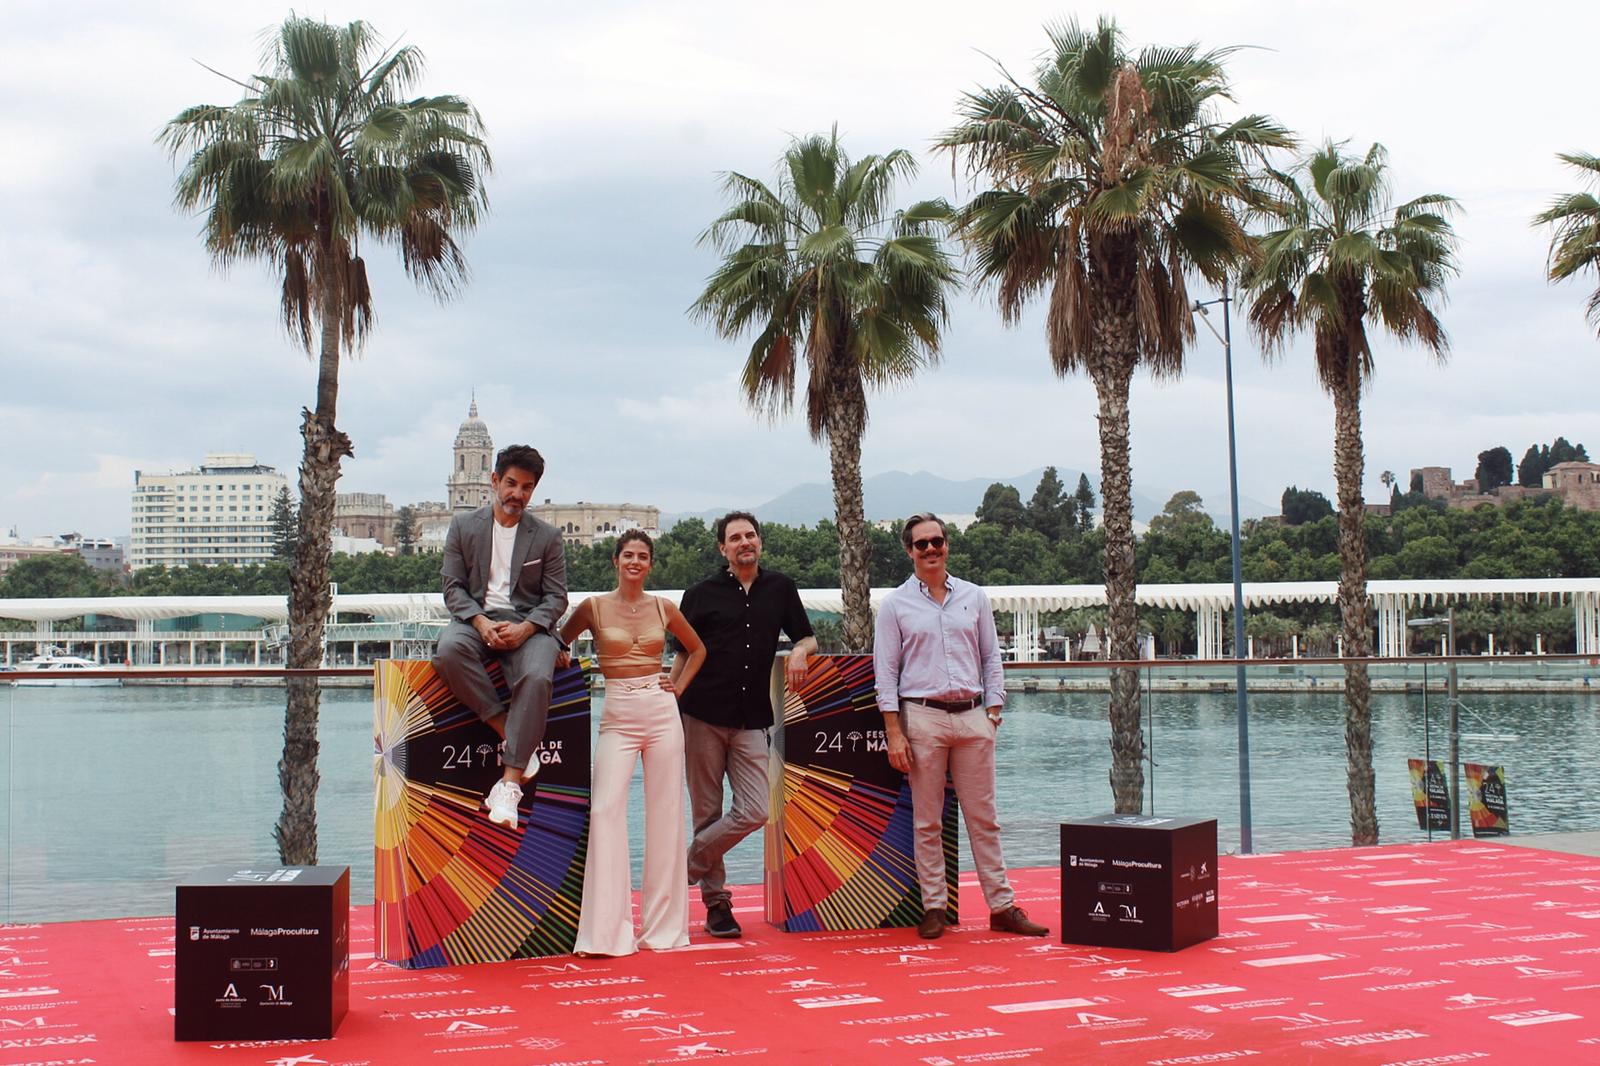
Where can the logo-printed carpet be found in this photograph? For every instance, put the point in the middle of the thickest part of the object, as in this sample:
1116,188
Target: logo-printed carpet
1421,955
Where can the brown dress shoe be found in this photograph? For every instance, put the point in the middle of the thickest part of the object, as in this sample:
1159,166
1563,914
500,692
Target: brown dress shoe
1015,920
932,925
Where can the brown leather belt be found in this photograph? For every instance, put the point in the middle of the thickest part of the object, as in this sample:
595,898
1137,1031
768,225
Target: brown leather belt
953,706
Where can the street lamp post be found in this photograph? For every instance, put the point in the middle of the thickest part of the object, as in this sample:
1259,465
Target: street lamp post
1226,337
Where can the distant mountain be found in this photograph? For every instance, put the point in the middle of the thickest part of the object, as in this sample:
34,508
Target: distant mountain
1216,505
896,494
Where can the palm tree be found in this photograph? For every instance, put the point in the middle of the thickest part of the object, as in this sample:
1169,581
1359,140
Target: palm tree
1339,259
1575,220
322,150
1112,178
824,273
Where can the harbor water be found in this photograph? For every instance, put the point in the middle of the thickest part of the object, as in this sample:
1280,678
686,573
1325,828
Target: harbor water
111,796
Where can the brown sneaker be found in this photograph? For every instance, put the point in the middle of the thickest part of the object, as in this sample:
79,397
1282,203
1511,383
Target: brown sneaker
932,925
1015,920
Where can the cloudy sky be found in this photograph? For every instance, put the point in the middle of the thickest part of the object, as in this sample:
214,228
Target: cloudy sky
122,348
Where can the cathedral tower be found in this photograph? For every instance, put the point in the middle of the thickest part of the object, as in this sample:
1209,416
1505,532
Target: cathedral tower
468,486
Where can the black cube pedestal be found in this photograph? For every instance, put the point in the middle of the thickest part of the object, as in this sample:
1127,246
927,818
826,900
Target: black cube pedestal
1130,881
262,954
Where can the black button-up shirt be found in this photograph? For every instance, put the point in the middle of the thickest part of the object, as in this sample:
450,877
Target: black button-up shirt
740,630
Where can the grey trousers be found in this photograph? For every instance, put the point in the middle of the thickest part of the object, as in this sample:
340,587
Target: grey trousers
710,752
963,744
462,659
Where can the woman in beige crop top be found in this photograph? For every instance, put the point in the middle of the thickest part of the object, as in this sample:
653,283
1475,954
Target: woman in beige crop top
640,719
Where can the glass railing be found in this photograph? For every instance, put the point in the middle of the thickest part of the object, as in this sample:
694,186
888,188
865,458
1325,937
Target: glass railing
112,795
1537,719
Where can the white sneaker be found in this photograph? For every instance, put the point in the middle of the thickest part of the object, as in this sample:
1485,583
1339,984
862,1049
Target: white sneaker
502,803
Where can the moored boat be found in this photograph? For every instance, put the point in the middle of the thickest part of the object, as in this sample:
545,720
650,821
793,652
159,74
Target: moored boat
65,666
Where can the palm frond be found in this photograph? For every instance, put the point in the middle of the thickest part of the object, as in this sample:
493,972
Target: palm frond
322,150
1119,160
768,377
825,273
1209,236
1122,204
1432,208
1357,252
297,297
1257,132
826,244
393,73
1574,220
1273,314
1346,257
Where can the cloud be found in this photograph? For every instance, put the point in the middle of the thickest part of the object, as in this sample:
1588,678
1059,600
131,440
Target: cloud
610,123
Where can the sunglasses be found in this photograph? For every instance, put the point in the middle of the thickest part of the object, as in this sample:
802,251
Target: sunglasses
928,542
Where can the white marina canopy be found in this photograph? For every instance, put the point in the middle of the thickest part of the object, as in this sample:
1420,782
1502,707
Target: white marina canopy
1391,601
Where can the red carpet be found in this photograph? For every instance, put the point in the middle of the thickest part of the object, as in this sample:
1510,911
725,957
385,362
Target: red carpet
1425,954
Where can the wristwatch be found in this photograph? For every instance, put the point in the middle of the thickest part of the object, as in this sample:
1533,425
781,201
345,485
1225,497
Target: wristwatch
994,717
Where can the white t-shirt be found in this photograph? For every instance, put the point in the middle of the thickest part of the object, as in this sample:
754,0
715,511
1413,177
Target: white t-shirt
498,595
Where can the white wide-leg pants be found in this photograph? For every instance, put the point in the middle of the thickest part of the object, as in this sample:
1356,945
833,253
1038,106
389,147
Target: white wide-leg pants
639,720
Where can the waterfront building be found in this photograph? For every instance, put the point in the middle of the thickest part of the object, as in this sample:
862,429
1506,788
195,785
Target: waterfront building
12,554
583,523
343,545
365,515
218,513
430,521
101,553
252,629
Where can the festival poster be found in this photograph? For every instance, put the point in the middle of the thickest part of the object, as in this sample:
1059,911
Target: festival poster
1486,799
1430,794
450,886
839,853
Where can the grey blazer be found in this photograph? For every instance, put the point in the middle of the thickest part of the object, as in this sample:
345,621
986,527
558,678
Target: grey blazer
538,568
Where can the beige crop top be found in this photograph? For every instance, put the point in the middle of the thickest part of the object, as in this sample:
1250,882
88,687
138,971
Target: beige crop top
620,650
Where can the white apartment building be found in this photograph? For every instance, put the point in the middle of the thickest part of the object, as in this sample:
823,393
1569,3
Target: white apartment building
218,513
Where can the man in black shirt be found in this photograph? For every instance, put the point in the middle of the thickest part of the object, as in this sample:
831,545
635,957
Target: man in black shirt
727,713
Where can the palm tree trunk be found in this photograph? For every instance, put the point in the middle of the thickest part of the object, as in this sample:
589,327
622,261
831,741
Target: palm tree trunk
310,598
847,423
1112,379
1348,463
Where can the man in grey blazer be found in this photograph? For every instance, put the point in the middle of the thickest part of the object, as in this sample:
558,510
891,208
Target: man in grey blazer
505,586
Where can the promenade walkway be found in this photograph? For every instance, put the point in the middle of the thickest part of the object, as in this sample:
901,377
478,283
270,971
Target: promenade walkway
1569,843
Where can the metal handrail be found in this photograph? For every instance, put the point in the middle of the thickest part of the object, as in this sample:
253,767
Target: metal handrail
123,672
1012,667
1303,660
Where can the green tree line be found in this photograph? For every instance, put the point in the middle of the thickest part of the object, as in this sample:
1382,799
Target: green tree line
1528,538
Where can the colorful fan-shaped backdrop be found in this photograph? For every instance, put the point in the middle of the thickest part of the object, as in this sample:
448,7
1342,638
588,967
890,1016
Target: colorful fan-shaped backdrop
451,887
839,852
